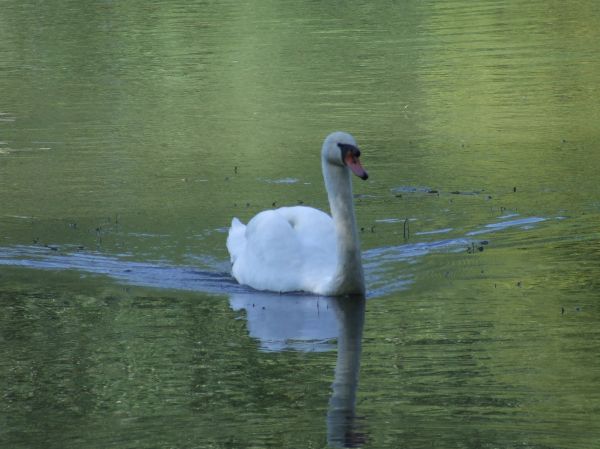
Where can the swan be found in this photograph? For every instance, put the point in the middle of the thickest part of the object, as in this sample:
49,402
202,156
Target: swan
301,248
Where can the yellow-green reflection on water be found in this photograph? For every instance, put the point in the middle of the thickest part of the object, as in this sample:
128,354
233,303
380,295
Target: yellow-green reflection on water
131,133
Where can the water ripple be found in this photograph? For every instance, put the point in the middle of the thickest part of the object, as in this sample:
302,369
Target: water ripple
384,271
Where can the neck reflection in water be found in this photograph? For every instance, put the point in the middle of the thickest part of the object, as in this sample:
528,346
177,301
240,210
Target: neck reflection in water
310,323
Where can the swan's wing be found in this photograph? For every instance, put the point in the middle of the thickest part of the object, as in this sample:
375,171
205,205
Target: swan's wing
316,232
314,229
271,259
286,249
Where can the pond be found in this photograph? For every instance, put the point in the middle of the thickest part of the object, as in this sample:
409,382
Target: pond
131,133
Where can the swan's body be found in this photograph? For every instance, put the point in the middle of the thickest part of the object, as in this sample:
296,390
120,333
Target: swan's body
301,248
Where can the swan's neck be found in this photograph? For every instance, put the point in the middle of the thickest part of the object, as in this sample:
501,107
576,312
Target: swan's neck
348,278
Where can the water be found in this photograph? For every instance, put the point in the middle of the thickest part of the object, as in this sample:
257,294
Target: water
130,135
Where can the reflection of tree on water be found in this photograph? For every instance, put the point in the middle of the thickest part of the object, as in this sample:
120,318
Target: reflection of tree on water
309,323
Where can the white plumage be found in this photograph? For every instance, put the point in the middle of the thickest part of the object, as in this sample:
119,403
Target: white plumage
301,248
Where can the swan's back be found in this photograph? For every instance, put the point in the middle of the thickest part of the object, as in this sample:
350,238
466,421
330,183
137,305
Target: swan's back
287,249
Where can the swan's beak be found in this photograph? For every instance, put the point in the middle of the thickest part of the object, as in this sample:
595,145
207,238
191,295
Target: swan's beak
353,162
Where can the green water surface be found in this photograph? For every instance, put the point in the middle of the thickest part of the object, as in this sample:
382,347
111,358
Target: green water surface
132,132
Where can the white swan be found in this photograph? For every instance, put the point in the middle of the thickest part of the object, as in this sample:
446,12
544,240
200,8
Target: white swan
301,248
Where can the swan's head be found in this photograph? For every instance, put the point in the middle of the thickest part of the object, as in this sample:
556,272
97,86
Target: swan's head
340,149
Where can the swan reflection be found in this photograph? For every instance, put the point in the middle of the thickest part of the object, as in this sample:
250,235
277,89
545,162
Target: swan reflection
310,323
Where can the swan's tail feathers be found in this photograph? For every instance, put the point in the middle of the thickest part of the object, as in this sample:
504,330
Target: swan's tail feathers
236,240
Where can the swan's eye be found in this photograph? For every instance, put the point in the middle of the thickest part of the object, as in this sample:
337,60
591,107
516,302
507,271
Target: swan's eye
348,148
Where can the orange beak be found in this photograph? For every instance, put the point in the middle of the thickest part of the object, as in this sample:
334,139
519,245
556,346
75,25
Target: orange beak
353,163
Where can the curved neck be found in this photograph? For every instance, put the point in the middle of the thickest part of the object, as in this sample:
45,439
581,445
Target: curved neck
349,273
